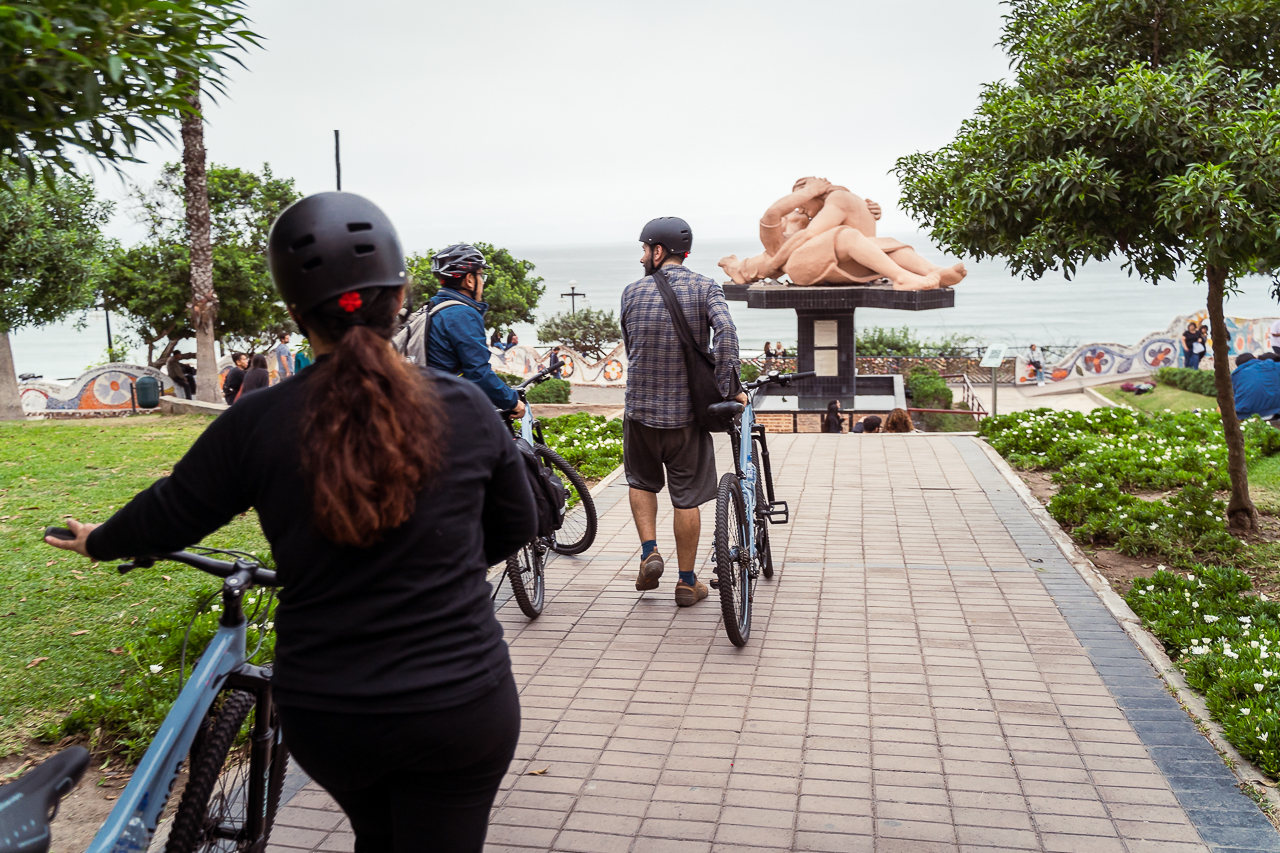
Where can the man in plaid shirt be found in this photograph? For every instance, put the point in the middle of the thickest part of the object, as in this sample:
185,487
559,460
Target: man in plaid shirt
659,431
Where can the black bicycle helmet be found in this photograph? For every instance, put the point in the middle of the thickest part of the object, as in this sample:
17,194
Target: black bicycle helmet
671,232
331,243
457,260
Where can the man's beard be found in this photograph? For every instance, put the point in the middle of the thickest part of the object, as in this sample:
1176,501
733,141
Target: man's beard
649,266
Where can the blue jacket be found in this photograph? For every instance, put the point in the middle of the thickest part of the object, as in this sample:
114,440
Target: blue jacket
1257,387
459,346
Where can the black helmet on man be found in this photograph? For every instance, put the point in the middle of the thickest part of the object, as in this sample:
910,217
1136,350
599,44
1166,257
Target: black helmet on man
457,260
332,243
670,232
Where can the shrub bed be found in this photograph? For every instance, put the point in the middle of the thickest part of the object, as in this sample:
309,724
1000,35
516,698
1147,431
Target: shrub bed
1227,644
1188,379
1104,456
590,443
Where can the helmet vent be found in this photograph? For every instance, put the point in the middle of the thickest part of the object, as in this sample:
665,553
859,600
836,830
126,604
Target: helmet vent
312,264
302,242
359,226
365,249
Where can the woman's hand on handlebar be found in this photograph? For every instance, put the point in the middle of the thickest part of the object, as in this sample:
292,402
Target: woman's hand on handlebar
80,544
518,411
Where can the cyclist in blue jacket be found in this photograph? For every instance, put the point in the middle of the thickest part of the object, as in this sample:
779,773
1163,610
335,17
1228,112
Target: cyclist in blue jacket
458,344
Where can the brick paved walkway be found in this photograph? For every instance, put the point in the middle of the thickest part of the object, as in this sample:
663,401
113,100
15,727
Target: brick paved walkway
926,673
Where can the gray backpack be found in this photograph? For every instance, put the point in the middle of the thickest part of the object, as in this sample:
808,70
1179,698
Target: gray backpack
411,340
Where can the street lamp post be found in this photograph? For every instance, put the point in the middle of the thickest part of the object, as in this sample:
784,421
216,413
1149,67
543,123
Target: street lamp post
573,295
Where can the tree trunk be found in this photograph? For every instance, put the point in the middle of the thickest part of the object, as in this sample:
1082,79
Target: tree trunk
204,301
10,399
1241,513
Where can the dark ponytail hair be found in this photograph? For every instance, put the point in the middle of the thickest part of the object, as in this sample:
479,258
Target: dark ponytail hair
371,424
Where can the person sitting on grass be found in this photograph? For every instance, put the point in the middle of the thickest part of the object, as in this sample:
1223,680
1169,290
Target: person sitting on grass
899,421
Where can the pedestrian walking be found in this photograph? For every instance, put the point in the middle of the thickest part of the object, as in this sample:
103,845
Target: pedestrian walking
660,432
283,358
235,377
393,682
256,377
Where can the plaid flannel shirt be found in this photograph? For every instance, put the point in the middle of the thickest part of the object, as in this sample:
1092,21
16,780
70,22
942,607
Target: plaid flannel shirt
657,384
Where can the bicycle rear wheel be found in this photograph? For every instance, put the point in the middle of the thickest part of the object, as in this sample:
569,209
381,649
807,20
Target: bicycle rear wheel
578,531
213,813
733,561
526,570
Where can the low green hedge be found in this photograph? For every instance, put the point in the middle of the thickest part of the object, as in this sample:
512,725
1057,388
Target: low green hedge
1227,643
1188,379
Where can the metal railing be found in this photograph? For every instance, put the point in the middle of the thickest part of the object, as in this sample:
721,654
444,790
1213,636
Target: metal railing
967,395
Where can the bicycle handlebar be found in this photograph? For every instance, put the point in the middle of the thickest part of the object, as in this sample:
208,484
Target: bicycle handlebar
781,378
217,568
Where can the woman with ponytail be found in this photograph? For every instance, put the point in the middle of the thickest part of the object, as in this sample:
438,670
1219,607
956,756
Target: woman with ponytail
391,674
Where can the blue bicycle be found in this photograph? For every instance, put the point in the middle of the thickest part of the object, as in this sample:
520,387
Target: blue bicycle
745,507
232,790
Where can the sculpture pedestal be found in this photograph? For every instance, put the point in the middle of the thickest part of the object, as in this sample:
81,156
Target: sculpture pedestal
826,335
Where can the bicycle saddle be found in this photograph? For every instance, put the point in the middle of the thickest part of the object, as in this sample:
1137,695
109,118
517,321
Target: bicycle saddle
27,806
727,409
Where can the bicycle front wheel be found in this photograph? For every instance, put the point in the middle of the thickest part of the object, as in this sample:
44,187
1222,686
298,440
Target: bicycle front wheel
578,531
526,569
733,561
213,813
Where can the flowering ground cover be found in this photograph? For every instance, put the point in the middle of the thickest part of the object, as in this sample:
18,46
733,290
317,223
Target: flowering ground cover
1227,643
1145,484
590,443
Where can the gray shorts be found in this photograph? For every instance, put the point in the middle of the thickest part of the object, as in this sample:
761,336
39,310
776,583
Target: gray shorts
687,453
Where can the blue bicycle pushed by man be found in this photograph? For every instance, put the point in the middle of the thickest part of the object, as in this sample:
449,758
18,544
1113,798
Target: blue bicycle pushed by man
223,727
745,507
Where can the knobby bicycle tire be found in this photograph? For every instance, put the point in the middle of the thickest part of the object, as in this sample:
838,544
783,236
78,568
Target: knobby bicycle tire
733,561
215,801
526,570
574,536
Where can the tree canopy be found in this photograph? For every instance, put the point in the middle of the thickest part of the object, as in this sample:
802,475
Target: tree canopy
1143,129
512,291
591,332
51,248
150,282
102,75
1147,130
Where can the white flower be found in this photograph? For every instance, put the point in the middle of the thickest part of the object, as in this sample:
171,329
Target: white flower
1210,618
156,668
1195,605
1258,687
1244,712
1199,650
1231,654
1253,644
1263,737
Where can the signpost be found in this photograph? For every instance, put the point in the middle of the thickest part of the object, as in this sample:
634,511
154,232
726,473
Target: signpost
995,355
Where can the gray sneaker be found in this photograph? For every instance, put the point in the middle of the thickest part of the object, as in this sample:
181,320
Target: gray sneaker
650,570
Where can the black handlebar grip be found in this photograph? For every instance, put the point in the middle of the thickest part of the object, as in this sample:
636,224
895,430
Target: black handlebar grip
59,533
808,374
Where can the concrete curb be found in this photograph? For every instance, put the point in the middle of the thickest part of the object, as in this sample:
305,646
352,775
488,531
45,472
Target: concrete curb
1146,642
177,406
1104,401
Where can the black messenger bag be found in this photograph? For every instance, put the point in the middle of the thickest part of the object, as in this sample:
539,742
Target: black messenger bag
699,365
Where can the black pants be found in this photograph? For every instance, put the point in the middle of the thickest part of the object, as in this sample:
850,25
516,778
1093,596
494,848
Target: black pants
418,782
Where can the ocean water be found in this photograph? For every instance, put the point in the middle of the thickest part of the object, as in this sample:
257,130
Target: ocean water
1102,304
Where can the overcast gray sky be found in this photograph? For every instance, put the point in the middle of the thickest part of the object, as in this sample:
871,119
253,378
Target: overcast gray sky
575,121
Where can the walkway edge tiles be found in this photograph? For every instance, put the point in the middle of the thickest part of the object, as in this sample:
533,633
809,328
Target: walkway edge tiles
1146,642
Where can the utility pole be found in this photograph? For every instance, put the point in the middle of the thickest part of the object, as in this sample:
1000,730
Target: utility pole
337,159
111,353
573,295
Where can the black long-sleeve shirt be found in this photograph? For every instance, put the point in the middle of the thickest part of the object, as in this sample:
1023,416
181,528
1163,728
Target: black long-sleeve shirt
405,625
231,384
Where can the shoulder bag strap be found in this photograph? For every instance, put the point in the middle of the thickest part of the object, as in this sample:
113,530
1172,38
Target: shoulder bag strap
426,325
678,320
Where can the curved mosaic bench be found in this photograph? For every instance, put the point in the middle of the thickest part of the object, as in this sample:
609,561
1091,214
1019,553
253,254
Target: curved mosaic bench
522,361
103,388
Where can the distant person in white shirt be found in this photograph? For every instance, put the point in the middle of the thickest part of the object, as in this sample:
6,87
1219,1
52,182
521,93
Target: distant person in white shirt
1275,337
1035,359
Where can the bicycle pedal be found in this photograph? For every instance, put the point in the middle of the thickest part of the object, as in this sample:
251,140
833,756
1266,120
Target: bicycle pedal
714,583
778,513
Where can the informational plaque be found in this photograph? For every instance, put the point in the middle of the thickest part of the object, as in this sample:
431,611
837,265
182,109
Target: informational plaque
995,355
826,362
824,333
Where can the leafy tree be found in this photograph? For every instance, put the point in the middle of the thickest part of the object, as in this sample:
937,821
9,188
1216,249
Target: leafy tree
886,340
512,291
592,333
103,75
1147,130
51,253
150,283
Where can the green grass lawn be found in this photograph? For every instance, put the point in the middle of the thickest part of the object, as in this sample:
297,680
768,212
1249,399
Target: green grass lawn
1163,397
58,606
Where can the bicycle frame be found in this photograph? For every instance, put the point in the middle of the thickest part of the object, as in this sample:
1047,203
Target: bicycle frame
222,665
